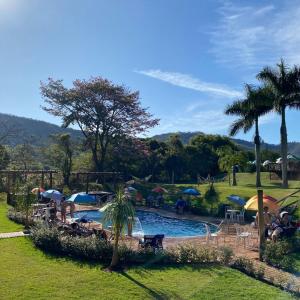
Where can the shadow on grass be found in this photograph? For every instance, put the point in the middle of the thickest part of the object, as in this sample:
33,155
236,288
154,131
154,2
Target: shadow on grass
155,294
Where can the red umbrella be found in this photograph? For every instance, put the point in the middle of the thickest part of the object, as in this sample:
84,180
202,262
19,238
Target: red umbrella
159,190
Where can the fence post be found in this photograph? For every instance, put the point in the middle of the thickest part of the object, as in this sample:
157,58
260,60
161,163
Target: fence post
261,222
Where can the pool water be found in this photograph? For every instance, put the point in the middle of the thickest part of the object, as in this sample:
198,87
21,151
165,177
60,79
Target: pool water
153,223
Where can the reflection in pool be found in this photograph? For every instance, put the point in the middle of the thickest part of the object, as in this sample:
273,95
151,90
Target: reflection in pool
153,223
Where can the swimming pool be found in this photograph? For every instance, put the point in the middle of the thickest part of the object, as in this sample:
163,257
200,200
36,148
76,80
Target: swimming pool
153,223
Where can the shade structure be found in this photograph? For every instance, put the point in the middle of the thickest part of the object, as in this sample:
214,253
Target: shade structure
237,200
37,190
159,190
264,197
270,202
52,194
81,198
192,192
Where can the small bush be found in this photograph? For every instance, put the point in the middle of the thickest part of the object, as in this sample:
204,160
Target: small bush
93,248
225,255
47,239
53,241
276,254
244,265
18,217
260,272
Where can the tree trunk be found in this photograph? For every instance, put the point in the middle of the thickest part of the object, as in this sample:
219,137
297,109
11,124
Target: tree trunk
234,177
257,153
261,225
284,149
115,257
173,176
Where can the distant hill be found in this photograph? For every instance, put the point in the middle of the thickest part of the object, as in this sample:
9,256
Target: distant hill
37,132
294,147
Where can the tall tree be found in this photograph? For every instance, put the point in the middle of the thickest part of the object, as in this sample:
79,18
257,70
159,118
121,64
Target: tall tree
257,102
120,212
174,162
101,109
285,85
229,160
60,155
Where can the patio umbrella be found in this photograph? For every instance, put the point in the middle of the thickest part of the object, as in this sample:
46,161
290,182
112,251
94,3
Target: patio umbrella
159,190
237,200
81,198
37,190
52,194
266,197
270,202
192,192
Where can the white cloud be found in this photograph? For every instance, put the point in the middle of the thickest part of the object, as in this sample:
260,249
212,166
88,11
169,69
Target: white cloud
257,35
189,82
208,121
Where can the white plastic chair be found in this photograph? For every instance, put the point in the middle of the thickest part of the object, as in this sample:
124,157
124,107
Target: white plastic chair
240,217
242,234
215,235
210,236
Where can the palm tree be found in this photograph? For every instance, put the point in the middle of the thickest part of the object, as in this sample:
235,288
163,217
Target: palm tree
285,85
258,102
120,212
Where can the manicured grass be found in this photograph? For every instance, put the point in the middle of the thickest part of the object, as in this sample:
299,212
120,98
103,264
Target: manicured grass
5,224
27,273
245,188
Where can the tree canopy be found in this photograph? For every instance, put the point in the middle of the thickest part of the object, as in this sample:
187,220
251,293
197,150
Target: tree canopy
102,110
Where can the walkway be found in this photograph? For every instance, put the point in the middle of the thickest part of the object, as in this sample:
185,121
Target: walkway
12,234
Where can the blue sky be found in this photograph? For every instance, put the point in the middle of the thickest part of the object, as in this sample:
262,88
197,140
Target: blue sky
188,59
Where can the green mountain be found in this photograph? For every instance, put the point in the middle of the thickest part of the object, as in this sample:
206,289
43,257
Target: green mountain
17,130
38,133
294,147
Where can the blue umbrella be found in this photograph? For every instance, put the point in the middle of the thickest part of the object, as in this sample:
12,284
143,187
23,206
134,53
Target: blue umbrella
237,200
81,198
52,194
192,192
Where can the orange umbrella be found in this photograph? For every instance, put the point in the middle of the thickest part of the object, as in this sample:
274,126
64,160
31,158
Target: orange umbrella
270,202
37,190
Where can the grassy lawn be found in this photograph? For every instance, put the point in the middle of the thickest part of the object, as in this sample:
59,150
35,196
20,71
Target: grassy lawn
27,273
5,224
245,188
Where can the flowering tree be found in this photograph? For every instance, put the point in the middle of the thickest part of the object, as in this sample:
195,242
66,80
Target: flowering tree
102,110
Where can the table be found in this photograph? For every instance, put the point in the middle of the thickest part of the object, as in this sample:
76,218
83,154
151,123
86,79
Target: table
233,213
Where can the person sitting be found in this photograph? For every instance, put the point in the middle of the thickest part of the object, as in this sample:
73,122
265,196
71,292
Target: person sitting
149,200
139,198
180,205
159,200
283,227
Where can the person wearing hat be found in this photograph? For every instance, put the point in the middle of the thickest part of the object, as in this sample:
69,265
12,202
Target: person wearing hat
284,228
